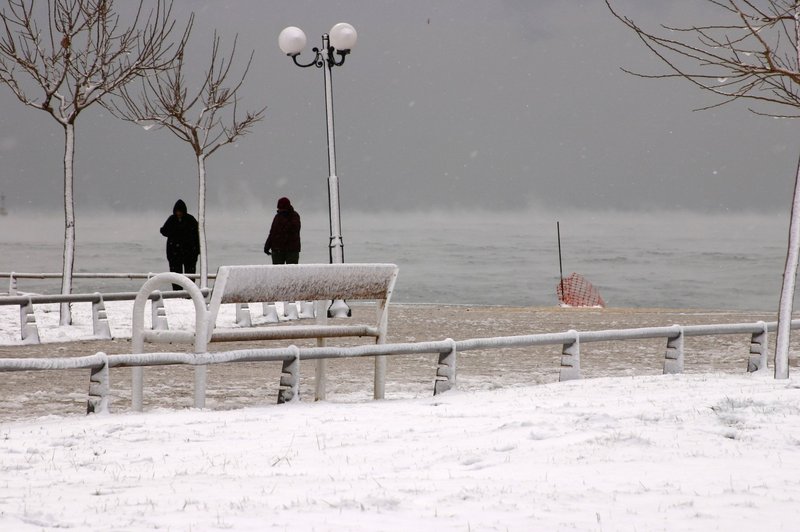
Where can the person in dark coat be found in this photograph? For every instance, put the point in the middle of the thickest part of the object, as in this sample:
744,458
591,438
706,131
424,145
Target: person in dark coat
283,242
183,241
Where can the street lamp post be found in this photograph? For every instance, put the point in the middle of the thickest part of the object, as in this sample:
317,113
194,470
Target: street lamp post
342,38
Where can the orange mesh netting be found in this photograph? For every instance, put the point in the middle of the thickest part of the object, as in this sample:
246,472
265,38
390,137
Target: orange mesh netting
578,292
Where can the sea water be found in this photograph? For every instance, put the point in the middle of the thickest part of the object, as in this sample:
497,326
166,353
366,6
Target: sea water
656,259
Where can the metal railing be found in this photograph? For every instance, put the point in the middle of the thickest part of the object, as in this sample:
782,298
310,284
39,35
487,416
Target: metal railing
29,332
14,276
445,379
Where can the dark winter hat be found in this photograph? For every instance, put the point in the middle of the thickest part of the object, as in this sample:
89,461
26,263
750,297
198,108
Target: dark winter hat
179,206
284,204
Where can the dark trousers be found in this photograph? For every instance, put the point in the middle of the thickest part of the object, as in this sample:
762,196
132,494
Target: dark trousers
285,257
182,266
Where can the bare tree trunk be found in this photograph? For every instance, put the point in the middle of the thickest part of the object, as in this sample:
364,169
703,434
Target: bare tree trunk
69,222
790,268
787,291
201,218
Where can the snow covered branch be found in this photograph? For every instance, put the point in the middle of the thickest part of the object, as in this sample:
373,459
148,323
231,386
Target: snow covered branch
751,54
164,99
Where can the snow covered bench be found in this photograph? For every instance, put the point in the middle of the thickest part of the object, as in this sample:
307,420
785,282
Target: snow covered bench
267,283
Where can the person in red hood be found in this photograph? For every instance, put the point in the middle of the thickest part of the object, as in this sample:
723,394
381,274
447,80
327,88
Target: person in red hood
283,242
183,241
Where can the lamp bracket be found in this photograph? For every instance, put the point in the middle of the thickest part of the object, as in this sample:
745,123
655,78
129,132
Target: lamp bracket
320,59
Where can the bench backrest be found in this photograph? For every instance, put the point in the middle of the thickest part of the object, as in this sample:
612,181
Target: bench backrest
301,282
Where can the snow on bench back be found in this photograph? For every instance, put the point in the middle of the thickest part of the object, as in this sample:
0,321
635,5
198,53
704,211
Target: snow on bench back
301,282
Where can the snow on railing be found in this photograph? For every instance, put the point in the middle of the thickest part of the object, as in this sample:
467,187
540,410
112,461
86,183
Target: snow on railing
29,332
14,276
447,350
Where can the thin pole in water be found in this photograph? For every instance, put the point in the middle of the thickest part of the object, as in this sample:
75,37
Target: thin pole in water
560,267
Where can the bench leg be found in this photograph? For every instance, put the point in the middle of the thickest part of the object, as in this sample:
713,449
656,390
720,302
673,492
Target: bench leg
200,373
380,377
320,375
321,369
137,387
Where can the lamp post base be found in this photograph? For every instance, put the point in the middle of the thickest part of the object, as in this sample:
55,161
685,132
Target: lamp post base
339,309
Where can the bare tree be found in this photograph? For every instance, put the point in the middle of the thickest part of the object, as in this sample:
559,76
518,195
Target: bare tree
206,118
70,61
752,53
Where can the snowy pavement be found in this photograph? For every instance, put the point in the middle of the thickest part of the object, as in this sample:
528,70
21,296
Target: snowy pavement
690,452
708,450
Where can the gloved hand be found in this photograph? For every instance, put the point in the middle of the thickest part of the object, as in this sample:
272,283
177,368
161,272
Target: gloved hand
266,250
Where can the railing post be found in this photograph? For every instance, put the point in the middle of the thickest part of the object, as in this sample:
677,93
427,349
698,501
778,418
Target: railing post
289,388
158,311
446,370
12,284
99,388
27,322
673,357
290,310
270,312
100,327
571,359
759,349
243,315
307,310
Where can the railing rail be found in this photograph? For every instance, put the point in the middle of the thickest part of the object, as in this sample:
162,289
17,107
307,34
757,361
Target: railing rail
447,350
29,332
87,297
13,276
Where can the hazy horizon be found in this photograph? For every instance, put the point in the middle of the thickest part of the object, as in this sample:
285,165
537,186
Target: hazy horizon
668,260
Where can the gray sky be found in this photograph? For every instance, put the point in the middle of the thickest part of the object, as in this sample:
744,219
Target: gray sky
448,104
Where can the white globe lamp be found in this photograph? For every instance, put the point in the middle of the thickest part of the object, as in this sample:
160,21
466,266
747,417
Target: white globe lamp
292,41
343,36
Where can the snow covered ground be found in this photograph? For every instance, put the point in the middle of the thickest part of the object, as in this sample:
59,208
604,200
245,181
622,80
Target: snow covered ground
691,452
686,452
